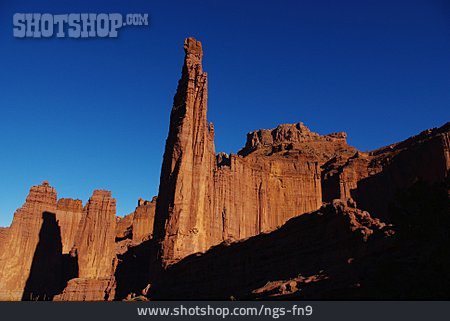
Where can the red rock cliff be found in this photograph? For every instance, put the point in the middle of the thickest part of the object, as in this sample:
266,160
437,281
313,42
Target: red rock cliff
20,246
373,178
204,200
97,235
95,251
69,213
134,228
3,237
143,218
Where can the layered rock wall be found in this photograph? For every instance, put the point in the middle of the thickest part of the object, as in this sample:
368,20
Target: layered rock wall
24,235
95,251
87,289
280,173
204,199
124,227
137,227
69,213
97,235
143,219
3,237
374,178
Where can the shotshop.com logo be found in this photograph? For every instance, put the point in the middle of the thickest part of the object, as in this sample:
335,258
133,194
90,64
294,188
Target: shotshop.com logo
74,25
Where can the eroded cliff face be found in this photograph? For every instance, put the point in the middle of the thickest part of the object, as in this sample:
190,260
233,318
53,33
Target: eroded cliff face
143,219
374,178
95,251
69,213
50,243
87,289
137,227
26,235
3,237
280,173
205,199
97,235
275,177
124,227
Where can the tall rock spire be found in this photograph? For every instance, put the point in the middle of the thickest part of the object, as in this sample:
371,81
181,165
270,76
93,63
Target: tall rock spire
183,207
203,201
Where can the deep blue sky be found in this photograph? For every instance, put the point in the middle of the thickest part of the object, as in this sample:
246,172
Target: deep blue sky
94,113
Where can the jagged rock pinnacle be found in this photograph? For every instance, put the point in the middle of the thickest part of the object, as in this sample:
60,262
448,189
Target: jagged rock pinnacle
193,49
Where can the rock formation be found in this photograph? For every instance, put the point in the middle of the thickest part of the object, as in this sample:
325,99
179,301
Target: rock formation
87,289
204,199
276,220
280,173
136,253
275,177
143,218
69,213
134,228
184,211
37,215
373,178
97,235
51,242
95,251
124,227
3,237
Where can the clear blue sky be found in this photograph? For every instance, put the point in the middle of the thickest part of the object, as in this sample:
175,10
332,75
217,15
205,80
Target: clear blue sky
94,113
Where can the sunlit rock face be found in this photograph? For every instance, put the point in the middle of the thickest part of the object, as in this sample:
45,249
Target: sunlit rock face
24,237
280,173
69,213
94,249
205,199
288,203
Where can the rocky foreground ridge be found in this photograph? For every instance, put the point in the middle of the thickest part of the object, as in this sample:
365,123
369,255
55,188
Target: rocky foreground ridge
293,214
